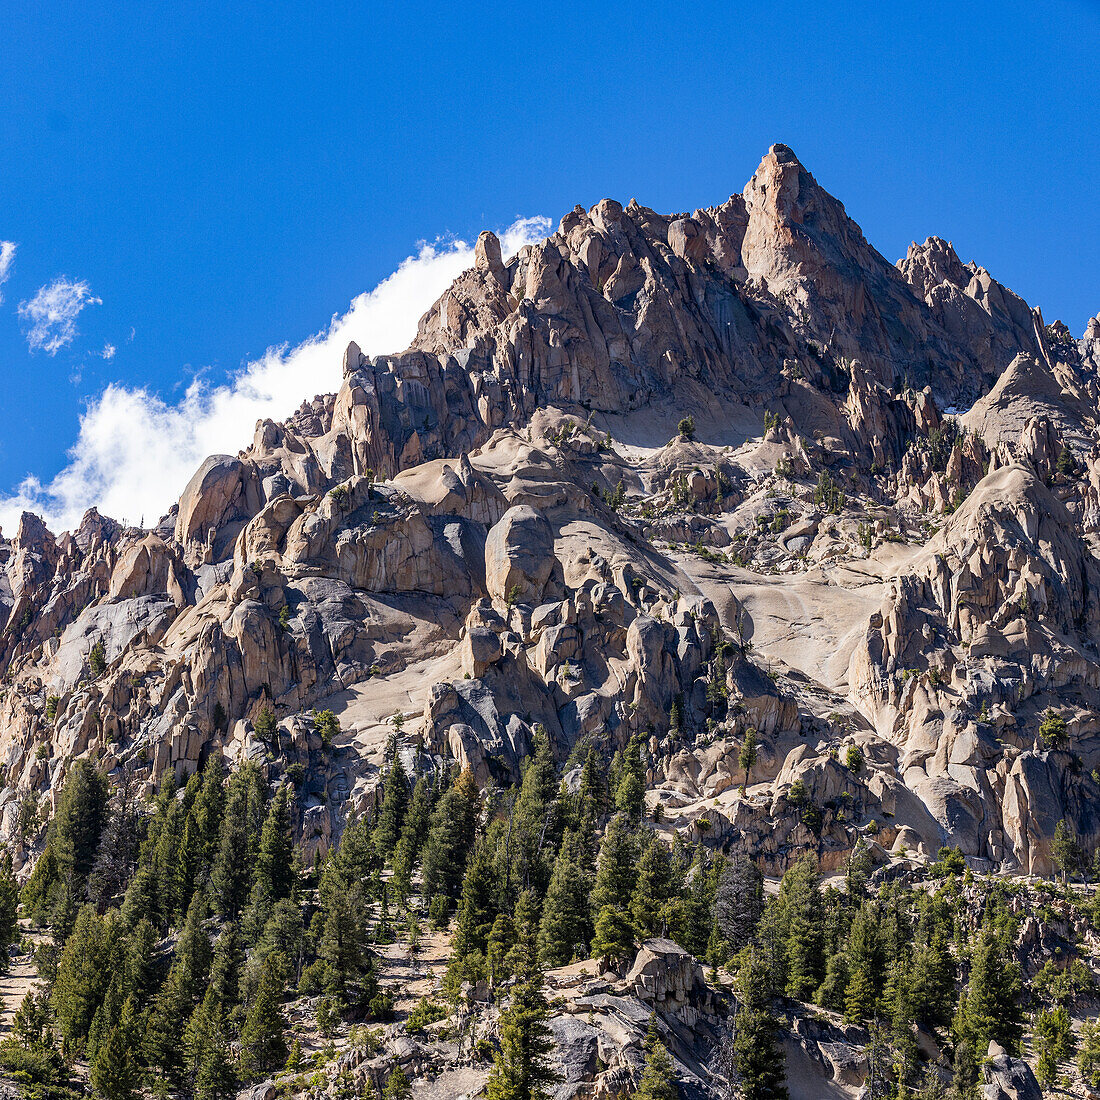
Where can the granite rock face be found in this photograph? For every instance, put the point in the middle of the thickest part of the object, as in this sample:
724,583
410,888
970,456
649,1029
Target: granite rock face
673,477
1008,1078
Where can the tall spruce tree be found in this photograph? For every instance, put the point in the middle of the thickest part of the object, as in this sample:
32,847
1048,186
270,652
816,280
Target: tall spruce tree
862,966
343,942
450,837
395,802
614,935
275,863
992,1005
657,1082
232,874
115,1073
615,872
215,1079
566,924
193,953
58,883
800,912
476,913
83,976
535,822
630,792
263,1043
654,887
521,1068
164,1027
757,1055
9,909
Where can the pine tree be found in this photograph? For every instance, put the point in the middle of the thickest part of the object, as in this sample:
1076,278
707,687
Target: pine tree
9,909
196,1034
565,921
759,1059
225,970
108,1014
880,1082
1065,852
391,817
139,963
476,913
863,978
1088,1056
209,807
992,1009
263,1046
858,872
1054,1034
521,1069
800,909
502,939
140,901
356,858
275,868
831,993
770,948
450,836
83,975
657,1081
690,915
71,844
81,814
231,876
536,822
592,793
114,1072
413,833
343,941
397,1085
615,872
164,1029
747,756
167,840
932,989
653,888
630,793
193,953
215,1079
756,1053
285,932
614,938
116,853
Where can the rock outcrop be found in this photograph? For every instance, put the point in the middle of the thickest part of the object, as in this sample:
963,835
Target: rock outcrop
686,478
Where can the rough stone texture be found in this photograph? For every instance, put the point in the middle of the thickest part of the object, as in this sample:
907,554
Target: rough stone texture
502,526
1008,1078
519,556
666,976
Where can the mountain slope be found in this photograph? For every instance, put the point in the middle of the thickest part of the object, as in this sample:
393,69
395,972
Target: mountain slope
493,530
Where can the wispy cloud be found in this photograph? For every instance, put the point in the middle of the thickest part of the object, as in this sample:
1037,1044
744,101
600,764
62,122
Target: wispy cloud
135,452
108,351
7,259
53,311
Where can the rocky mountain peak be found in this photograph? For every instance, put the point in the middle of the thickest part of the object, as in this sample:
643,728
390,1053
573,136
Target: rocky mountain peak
689,498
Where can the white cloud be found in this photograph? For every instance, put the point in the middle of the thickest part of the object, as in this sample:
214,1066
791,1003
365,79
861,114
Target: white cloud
108,351
53,311
135,452
7,259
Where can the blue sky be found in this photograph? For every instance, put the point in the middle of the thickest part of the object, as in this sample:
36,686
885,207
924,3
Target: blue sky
216,179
